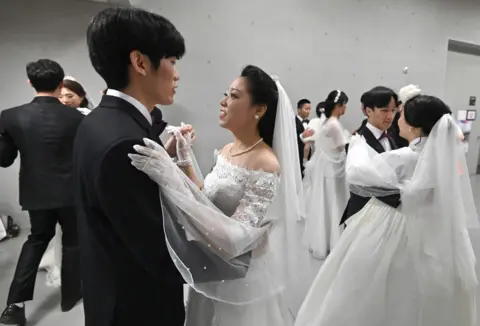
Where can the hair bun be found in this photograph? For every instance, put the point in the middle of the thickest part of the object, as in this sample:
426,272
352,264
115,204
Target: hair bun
408,92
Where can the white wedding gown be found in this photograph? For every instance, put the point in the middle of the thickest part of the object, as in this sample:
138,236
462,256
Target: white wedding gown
52,260
325,188
387,269
228,187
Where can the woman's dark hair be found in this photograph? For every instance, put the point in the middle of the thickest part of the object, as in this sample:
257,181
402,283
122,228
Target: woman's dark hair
263,90
424,111
320,109
115,32
78,89
378,97
45,75
333,99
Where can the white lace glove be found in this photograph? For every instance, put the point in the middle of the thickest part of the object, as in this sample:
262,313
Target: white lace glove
184,144
184,139
154,161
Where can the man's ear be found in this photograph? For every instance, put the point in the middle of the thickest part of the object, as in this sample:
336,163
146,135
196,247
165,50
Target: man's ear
139,62
368,111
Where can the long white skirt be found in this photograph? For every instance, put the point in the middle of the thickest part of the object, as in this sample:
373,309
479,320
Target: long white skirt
326,197
380,274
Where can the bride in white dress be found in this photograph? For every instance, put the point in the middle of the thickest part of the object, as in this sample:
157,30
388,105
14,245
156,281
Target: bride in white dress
325,188
252,269
413,265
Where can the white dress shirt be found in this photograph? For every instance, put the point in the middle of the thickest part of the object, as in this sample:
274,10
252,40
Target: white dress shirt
133,101
305,124
378,134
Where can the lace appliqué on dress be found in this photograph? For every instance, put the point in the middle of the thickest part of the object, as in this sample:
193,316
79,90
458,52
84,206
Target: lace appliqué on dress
241,193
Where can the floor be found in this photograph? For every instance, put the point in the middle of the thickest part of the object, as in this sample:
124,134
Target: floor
45,309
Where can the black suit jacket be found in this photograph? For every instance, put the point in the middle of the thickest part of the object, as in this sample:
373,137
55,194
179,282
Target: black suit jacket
128,275
43,131
301,144
356,202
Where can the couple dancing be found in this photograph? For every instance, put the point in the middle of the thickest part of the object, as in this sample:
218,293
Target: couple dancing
147,225
405,257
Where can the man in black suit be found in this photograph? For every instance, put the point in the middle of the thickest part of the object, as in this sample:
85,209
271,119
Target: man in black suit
380,105
43,132
129,277
303,112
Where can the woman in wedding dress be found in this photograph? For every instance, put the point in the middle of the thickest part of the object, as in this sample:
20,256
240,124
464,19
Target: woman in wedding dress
238,246
413,265
326,191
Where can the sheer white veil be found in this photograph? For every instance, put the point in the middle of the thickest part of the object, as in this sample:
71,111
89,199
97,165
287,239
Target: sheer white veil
290,201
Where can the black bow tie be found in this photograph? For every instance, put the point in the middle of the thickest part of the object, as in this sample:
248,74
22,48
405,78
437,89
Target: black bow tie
306,121
384,135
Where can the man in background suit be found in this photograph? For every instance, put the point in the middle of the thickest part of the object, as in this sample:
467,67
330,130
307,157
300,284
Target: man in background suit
380,105
129,277
303,112
43,132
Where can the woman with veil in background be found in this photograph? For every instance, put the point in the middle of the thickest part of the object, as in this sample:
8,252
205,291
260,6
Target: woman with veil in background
413,265
74,95
236,242
326,191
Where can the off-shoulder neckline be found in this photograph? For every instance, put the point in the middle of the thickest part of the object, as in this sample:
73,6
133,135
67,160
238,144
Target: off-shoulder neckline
242,168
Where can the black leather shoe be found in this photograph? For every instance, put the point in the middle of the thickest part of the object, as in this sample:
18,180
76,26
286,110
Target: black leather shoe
13,315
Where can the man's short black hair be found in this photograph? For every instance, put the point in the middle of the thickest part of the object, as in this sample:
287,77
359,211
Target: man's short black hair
379,97
302,102
115,32
45,75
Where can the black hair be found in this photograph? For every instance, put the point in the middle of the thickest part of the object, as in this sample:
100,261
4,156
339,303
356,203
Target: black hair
302,102
363,98
379,97
333,99
320,109
115,32
263,90
45,75
78,89
424,111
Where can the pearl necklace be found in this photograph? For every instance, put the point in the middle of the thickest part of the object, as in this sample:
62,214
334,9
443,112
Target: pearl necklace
244,151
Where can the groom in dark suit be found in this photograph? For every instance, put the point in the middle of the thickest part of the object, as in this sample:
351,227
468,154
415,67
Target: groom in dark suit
129,277
301,122
380,105
43,132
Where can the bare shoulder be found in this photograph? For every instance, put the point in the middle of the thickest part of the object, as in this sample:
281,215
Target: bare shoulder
263,158
224,150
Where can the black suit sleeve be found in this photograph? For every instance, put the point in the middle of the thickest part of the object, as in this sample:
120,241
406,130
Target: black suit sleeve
131,202
8,150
